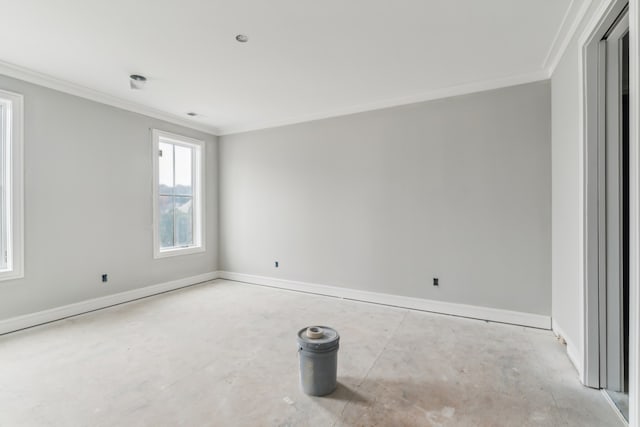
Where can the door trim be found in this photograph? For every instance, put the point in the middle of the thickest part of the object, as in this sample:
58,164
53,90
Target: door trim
592,134
634,202
634,211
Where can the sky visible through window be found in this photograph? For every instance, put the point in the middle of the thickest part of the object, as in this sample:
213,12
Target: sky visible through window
175,195
183,165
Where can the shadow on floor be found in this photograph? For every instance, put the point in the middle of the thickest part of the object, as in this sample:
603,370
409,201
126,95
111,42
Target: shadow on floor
379,402
346,393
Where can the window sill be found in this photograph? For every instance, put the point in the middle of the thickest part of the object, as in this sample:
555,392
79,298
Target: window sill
11,275
178,251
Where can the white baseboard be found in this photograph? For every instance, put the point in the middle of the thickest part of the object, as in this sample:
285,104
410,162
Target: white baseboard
572,351
462,310
38,318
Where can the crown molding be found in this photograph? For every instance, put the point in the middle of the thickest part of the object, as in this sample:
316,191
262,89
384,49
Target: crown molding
464,89
568,27
48,81
21,73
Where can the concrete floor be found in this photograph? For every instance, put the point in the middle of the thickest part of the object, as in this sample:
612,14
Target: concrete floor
224,354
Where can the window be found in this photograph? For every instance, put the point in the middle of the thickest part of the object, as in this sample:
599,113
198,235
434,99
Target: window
11,187
178,194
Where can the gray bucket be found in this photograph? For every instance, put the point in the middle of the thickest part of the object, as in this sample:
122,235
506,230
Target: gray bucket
318,353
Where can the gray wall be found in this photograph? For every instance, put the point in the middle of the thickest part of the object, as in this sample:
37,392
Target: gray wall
458,188
88,203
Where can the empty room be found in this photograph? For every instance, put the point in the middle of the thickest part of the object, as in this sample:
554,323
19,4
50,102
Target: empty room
297,213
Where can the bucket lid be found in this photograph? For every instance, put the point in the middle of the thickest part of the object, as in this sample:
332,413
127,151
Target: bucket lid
318,338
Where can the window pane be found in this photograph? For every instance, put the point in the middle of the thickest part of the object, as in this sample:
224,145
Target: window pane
165,225
184,221
177,195
165,168
183,175
4,227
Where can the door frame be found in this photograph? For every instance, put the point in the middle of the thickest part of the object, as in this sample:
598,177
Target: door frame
591,133
594,273
612,370
634,212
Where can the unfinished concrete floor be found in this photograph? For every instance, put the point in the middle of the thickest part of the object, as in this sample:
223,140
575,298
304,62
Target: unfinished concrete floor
224,354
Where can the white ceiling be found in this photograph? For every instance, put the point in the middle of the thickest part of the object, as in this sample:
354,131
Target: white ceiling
305,58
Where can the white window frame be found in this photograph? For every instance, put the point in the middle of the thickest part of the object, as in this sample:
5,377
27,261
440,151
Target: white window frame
198,169
12,118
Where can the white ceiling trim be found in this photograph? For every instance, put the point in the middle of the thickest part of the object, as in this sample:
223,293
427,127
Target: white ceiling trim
51,82
463,89
565,33
560,35
48,81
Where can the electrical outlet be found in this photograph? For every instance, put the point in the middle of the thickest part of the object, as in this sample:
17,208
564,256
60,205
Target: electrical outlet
277,264
436,282
104,278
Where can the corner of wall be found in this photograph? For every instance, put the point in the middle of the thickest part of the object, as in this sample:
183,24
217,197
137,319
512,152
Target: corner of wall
573,351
